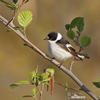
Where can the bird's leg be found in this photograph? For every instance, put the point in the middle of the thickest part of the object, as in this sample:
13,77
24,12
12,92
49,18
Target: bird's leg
71,65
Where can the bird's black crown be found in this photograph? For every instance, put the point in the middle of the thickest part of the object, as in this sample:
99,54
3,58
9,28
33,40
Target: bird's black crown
52,36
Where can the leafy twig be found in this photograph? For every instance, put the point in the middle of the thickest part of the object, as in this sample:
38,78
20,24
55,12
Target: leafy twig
61,67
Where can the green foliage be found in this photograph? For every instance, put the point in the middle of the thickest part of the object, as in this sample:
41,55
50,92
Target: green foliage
34,92
23,82
36,79
32,75
97,84
9,5
50,71
44,77
27,96
37,82
85,41
78,22
71,34
68,27
66,86
25,18
15,1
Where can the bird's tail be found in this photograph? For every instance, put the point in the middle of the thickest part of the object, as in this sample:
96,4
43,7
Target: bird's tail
82,56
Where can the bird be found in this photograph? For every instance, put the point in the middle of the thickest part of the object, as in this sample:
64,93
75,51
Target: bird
60,48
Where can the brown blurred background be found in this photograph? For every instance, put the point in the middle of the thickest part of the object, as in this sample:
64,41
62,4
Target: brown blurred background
16,61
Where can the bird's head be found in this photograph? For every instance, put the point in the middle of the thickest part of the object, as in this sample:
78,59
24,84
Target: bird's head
53,36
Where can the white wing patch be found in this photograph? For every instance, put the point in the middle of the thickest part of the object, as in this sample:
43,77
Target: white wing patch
69,45
81,56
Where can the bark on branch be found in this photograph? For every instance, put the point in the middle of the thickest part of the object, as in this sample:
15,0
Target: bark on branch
57,64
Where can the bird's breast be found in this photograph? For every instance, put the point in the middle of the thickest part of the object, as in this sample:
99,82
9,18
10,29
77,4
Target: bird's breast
56,51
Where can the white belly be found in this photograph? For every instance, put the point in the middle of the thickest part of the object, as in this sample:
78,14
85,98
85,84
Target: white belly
57,52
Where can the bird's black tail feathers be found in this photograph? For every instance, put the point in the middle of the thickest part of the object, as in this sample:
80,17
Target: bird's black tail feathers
82,56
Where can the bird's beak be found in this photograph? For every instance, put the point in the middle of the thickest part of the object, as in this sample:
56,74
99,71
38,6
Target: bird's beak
47,38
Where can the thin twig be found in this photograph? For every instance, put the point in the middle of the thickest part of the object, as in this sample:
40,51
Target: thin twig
61,67
71,65
12,19
62,85
41,91
68,88
76,40
15,13
24,31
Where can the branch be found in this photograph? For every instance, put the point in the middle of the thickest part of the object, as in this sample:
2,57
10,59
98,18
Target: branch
61,67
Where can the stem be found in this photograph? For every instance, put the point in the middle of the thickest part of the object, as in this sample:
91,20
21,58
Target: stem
71,65
15,12
41,91
24,31
49,85
45,56
12,19
76,40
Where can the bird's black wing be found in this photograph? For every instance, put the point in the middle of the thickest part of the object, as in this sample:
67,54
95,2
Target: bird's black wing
67,46
63,41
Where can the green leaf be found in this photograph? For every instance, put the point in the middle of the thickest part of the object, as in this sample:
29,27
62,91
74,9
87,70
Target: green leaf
85,41
46,82
50,71
27,96
97,84
23,82
68,27
66,84
15,1
78,22
37,81
4,2
71,34
25,18
34,92
32,75
13,85
43,77
9,5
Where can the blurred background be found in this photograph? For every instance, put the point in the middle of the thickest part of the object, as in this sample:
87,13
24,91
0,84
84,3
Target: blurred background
16,61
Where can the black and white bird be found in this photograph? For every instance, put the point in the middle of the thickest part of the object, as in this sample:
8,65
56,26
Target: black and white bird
60,48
